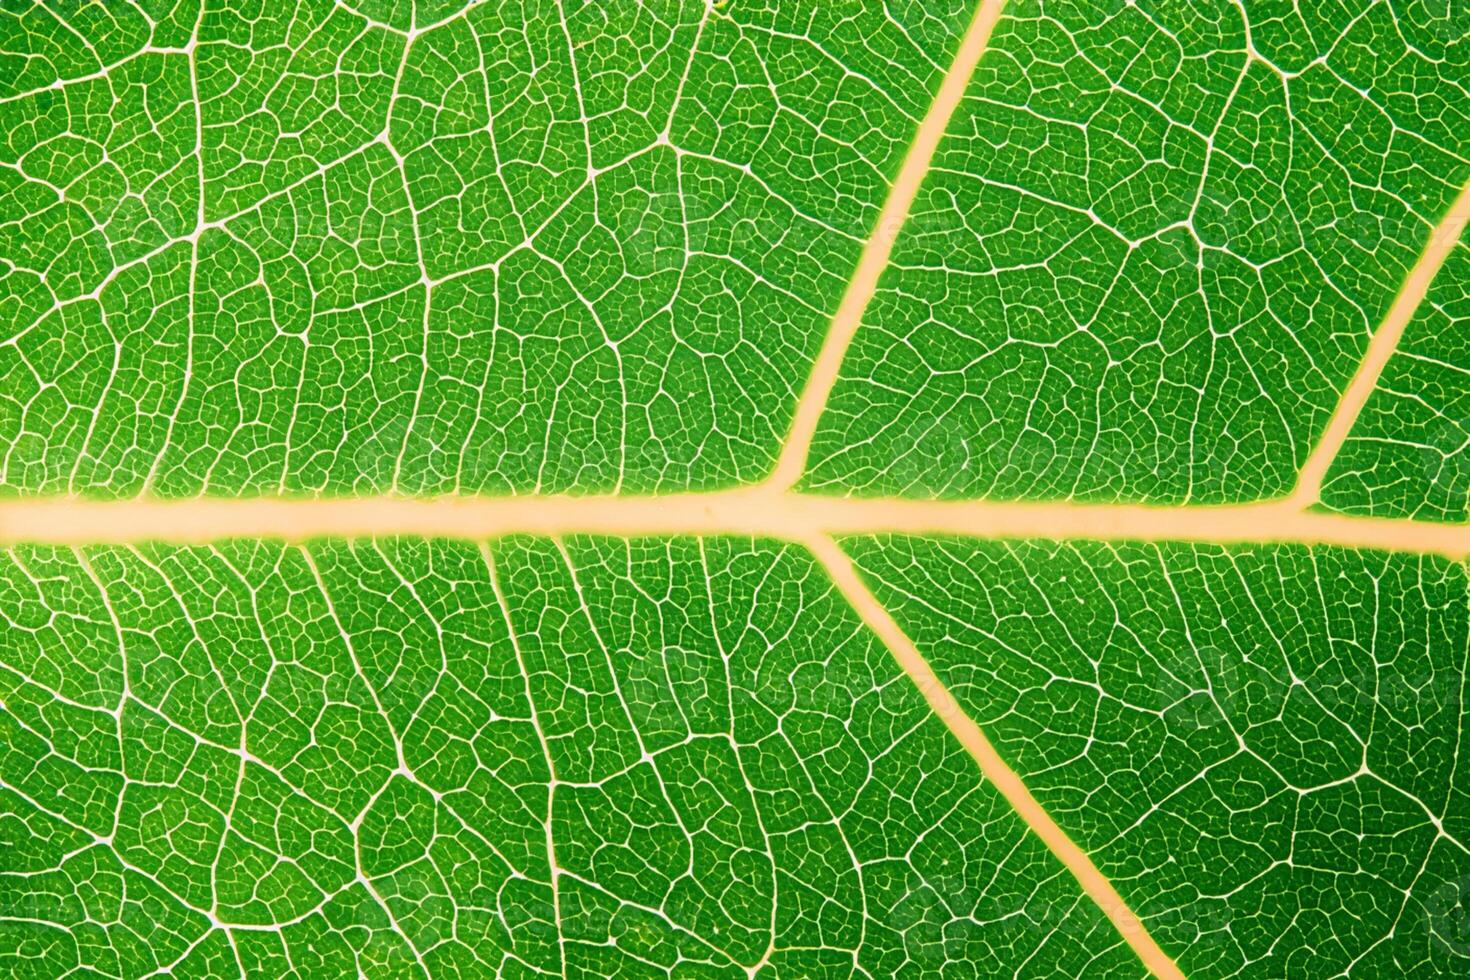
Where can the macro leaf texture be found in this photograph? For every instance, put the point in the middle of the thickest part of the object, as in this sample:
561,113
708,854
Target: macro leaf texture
760,489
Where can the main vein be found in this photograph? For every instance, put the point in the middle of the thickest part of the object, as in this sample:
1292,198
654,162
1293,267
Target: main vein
753,511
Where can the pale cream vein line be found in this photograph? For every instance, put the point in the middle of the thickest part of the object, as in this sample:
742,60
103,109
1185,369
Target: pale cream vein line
1384,342
992,766
791,462
752,511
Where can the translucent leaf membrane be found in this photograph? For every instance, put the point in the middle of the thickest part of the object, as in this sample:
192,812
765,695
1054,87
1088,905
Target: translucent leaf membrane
528,246
1409,453
258,248
658,757
1151,250
1262,748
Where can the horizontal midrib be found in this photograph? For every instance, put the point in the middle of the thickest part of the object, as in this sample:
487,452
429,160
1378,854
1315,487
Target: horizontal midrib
757,511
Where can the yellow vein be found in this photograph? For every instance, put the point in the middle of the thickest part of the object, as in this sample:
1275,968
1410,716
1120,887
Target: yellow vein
1384,342
1000,775
756,511
792,461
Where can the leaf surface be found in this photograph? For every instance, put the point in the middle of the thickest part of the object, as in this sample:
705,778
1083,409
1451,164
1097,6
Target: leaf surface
691,489
1150,252
386,747
1262,748
1409,454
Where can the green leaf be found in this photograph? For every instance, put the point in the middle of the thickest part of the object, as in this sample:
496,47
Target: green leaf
423,435
522,249
1151,251
387,747
1262,748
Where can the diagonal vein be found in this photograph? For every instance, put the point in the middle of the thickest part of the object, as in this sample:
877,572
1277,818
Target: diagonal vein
874,259
994,768
1381,346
